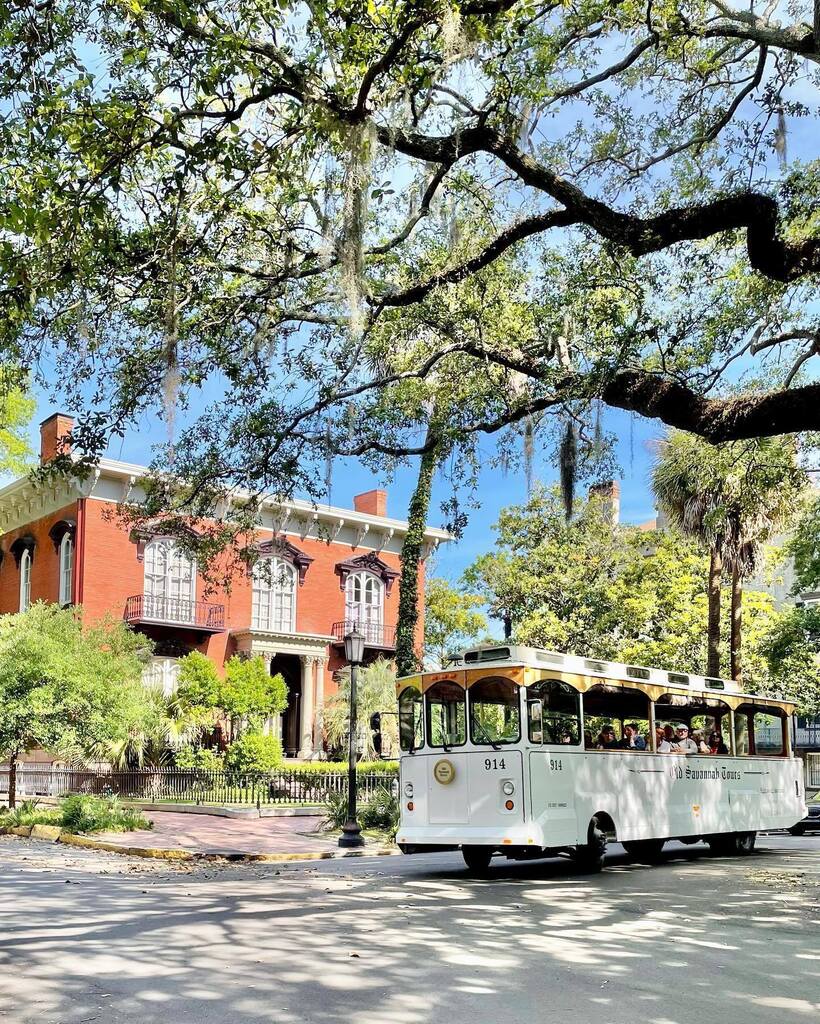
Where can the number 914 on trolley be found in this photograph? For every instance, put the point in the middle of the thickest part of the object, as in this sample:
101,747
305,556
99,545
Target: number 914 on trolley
527,753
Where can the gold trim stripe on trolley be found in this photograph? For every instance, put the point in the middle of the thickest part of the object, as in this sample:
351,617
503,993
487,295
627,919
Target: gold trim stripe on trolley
526,676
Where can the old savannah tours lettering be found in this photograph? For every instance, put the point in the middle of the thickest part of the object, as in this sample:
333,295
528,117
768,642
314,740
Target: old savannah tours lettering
718,772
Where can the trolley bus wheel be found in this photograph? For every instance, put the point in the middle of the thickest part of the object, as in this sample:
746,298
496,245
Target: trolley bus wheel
646,850
477,858
734,844
590,857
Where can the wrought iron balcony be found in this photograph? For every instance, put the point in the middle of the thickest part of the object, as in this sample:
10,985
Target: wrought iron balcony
144,609
375,634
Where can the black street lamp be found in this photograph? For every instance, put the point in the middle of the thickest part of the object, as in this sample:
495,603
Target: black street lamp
351,830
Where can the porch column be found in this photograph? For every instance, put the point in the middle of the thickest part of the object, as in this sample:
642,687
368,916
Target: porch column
273,725
306,723
319,731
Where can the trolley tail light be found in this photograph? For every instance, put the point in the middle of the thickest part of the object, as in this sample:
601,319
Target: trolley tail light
509,805
410,805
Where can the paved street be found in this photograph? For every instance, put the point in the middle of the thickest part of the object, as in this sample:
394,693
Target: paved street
408,940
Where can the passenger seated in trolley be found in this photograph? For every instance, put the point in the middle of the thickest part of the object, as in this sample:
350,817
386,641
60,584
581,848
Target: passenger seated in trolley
632,738
681,744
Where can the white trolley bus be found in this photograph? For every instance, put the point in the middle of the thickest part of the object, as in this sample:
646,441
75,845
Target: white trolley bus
528,753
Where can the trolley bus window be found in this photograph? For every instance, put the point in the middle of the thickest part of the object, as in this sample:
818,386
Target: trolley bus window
446,716
495,715
760,730
411,735
553,712
607,706
706,718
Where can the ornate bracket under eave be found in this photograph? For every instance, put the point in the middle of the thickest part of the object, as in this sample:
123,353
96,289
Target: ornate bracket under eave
367,563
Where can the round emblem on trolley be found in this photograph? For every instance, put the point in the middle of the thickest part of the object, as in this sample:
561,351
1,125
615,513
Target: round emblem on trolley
444,771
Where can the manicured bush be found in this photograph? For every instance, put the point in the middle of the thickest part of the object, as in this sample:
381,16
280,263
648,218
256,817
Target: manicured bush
100,814
254,752
199,758
336,767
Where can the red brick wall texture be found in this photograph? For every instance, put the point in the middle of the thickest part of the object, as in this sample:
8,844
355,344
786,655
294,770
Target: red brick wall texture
107,564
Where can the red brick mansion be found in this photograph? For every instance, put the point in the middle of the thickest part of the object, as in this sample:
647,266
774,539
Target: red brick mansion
329,567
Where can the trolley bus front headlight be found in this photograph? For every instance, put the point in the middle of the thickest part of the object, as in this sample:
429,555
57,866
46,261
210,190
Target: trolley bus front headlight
408,790
508,788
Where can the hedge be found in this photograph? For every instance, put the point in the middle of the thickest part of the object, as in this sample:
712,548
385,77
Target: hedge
331,767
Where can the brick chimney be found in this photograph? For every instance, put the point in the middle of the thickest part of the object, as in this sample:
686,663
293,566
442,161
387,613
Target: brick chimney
55,433
609,492
374,503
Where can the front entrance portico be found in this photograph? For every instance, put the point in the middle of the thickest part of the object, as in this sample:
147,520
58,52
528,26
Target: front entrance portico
302,732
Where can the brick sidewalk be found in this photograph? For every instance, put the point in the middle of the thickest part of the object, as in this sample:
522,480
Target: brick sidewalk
203,833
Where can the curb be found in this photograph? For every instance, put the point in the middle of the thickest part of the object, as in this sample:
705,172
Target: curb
155,853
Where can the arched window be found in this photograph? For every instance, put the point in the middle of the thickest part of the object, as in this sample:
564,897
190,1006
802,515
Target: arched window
760,730
446,718
274,596
495,715
616,717
25,580
553,712
169,582
66,569
702,720
364,604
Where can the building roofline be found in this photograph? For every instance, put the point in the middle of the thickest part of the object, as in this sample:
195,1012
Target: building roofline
299,506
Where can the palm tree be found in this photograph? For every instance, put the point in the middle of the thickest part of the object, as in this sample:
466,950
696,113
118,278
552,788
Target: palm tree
692,503
375,691
731,498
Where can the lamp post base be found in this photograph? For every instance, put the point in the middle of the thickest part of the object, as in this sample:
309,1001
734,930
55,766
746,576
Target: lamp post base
351,837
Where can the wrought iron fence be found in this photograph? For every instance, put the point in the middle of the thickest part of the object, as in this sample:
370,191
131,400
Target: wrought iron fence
193,785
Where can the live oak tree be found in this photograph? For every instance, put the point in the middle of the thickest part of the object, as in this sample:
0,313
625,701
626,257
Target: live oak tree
75,691
244,191
189,183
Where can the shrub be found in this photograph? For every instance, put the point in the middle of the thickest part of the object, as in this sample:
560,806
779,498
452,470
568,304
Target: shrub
100,814
254,752
336,767
381,811
336,814
199,758
28,812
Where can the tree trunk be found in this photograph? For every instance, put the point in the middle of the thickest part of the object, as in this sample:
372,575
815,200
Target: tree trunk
407,657
713,635
736,633
13,779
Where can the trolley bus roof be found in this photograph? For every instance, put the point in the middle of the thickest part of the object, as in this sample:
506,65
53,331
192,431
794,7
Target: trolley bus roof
527,665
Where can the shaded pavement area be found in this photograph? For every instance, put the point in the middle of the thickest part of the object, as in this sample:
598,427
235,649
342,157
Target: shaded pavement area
87,937
204,833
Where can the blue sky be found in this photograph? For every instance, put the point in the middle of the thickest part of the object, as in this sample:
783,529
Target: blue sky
494,493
